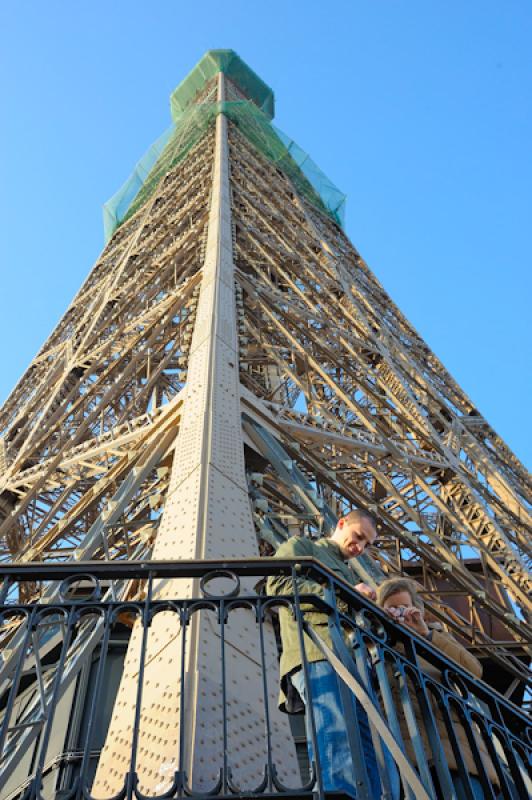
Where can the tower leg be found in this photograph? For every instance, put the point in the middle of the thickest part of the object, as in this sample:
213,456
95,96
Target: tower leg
181,727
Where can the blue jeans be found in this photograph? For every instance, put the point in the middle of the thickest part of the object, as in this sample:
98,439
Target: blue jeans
478,791
333,745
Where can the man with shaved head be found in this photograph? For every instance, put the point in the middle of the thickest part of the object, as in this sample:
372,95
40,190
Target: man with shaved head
354,532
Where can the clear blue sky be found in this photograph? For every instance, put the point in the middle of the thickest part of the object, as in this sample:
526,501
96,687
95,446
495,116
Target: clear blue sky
420,110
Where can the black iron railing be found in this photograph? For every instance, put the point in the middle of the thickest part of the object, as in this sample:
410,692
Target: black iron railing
436,730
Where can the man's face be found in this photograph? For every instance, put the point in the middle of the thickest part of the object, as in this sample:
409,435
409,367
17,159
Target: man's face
353,538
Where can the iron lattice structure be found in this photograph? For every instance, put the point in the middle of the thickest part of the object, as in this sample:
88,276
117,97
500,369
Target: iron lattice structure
340,402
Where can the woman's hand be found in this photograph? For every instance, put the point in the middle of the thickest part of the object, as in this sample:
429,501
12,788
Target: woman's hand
413,617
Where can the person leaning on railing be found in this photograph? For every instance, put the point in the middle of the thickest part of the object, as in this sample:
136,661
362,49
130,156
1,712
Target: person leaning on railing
352,535
400,599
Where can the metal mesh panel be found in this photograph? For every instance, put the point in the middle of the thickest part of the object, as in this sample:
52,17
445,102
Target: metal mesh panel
188,128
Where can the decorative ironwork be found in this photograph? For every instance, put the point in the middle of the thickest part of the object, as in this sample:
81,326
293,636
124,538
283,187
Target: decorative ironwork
82,622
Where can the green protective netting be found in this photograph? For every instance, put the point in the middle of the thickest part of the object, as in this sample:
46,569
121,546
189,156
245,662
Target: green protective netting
116,208
163,155
228,62
175,143
285,154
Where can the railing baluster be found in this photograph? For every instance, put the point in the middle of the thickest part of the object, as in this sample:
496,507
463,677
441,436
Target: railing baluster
407,707
225,765
132,777
52,706
14,687
363,658
358,757
267,725
316,767
182,670
385,691
104,646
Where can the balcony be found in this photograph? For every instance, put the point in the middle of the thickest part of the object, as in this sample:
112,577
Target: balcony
62,663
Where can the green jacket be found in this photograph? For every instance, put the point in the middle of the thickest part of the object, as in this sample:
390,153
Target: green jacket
329,554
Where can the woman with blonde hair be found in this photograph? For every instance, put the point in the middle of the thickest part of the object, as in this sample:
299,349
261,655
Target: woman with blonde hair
401,600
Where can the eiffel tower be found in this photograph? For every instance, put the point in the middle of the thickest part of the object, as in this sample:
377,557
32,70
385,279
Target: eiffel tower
230,374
